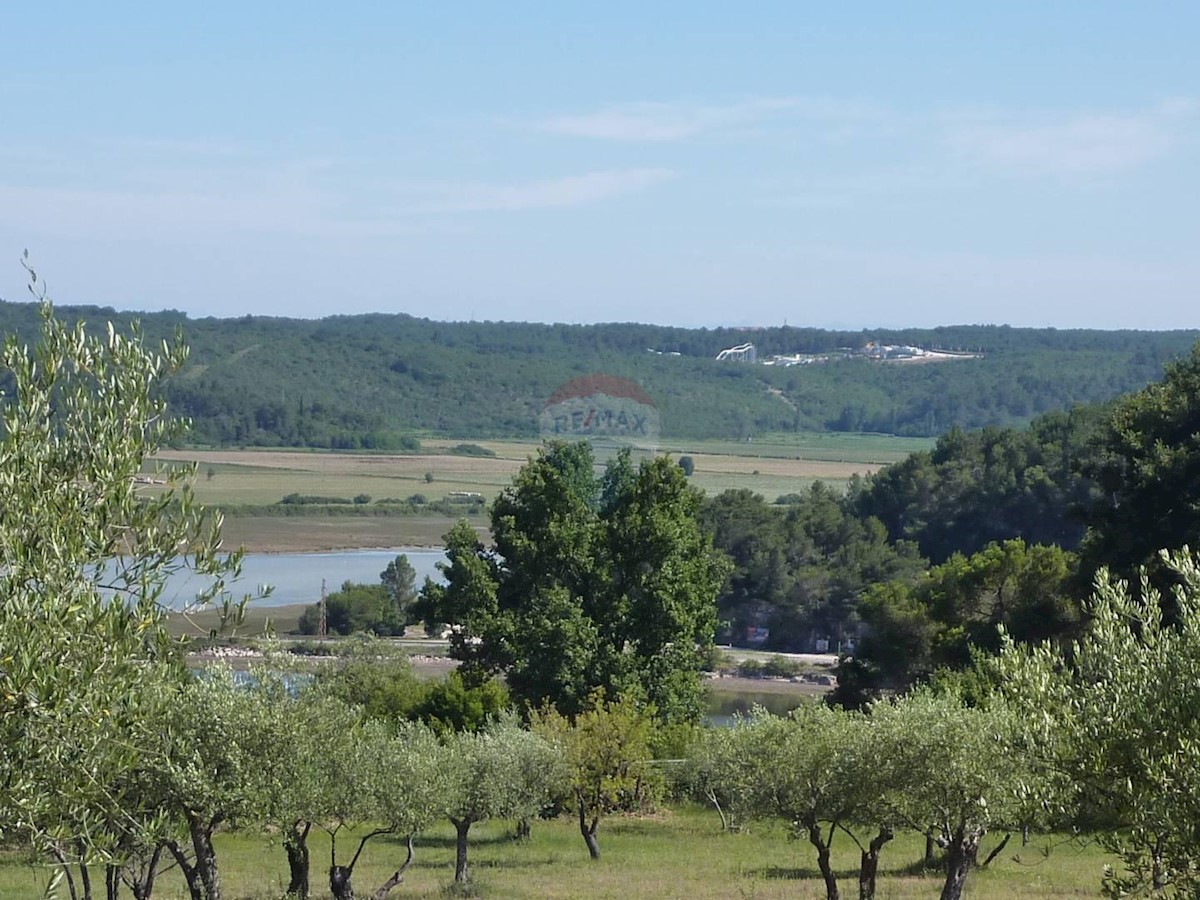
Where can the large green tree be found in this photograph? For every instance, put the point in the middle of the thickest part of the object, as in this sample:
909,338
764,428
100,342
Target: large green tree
593,582
914,628
801,568
1147,469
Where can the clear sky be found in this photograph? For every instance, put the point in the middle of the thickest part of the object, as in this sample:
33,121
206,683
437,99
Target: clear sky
827,164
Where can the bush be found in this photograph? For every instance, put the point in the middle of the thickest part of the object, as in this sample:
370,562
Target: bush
314,500
688,465
470,450
362,499
773,667
450,705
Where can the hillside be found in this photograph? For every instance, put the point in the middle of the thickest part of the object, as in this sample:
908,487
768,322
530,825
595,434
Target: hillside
369,381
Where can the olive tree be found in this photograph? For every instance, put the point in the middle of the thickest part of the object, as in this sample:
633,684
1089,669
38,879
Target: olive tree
1118,715
716,772
794,768
212,765
502,772
393,778
956,773
319,728
85,551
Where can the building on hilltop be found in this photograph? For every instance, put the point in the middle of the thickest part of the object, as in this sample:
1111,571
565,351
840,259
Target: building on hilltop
740,353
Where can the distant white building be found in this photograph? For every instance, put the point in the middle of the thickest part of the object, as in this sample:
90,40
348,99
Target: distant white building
740,353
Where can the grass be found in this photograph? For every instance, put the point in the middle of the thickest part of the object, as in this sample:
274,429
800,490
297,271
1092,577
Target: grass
311,534
680,853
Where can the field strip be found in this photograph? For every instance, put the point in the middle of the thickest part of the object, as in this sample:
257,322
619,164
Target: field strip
795,468
349,464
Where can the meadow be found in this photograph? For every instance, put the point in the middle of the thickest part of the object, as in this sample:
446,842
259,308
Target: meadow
679,852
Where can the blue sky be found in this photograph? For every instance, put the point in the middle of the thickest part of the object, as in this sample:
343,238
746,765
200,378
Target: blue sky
834,165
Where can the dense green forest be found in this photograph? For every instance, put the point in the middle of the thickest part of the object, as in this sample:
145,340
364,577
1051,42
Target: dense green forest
924,562
368,382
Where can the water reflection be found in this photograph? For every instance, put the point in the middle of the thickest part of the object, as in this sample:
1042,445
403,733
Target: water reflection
725,706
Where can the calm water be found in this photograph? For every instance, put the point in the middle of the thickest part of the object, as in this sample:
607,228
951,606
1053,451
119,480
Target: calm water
724,706
296,577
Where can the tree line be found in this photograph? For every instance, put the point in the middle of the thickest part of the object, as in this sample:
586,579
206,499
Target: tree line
375,382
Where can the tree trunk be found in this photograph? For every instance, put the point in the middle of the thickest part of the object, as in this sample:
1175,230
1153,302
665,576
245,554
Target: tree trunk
85,878
296,847
112,882
339,882
190,875
461,827
206,857
384,889
339,876
140,882
999,848
61,858
818,840
588,830
869,868
1159,869
726,822
523,830
930,859
961,852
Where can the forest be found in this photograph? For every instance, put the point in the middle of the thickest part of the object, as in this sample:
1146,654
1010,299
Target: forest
377,382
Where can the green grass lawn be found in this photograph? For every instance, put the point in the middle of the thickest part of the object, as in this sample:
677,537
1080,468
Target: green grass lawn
678,854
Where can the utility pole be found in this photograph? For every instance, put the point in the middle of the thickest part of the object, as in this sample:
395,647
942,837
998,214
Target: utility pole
323,628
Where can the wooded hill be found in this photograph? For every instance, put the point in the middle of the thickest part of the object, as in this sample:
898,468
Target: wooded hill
371,381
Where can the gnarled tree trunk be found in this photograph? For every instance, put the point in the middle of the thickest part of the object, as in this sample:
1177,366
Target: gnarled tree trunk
961,852
190,875
296,847
339,876
140,880
868,870
398,876
339,882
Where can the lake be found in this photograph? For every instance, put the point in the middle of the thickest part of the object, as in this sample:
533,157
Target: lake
297,577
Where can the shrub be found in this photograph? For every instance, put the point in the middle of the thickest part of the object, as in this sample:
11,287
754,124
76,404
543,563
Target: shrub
470,450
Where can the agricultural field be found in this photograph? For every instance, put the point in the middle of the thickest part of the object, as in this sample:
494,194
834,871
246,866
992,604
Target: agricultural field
317,533
678,853
233,479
